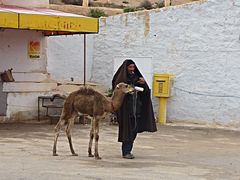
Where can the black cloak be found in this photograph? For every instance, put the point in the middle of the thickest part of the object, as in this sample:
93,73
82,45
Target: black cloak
147,120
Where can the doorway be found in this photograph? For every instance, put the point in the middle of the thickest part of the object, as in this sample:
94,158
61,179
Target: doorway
144,65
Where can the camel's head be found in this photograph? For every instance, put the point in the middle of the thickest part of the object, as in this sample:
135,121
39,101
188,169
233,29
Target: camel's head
125,88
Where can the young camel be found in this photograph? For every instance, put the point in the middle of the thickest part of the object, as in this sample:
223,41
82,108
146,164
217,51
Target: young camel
91,102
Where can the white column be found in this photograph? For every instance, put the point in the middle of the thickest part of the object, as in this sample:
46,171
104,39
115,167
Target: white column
85,3
167,3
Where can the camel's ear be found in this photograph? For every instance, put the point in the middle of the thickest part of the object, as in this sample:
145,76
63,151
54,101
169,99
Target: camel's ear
118,87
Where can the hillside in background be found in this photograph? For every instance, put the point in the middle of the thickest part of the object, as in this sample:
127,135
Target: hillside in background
110,7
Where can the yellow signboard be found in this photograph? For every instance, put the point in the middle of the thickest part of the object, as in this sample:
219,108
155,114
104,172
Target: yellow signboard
58,23
8,20
34,49
49,21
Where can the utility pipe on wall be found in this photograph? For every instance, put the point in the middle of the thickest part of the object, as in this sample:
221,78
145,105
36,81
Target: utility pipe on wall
84,61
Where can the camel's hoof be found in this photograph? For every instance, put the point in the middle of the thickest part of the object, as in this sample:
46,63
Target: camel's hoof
55,154
90,155
98,158
74,154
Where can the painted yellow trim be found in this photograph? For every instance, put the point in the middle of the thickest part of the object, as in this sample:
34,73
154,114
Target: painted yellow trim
8,20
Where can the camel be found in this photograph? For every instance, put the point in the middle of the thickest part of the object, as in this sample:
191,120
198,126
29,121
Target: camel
90,102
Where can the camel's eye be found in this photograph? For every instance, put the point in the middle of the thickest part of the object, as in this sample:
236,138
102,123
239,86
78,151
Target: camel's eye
126,86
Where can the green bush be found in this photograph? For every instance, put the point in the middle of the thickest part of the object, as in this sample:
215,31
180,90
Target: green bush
159,4
129,9
146,4
96,13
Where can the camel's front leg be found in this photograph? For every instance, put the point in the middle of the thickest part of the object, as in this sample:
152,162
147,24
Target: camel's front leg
96,136
68,131
91,135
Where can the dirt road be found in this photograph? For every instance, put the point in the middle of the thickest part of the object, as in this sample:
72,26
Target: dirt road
172,153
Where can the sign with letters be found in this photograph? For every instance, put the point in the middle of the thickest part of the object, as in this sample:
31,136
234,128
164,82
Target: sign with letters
34,50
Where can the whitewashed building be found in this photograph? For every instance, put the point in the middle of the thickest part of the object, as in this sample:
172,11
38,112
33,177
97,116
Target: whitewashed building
24,29
198,42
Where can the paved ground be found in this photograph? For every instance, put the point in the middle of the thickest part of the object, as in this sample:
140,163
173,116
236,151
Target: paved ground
171,153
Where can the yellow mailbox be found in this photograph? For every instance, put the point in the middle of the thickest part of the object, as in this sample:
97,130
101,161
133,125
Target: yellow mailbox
162,88
162,85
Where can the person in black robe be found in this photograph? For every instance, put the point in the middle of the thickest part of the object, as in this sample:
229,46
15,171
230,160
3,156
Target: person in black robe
136,113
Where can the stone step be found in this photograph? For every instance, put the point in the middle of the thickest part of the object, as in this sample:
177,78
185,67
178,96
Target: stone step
28,87
29,77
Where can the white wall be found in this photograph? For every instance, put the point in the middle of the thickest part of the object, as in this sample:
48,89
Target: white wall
66,57
14,51
198,42
22,97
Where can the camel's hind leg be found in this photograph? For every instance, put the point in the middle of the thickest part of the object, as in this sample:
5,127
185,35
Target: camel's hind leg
57,129
96,136
91,139
68,132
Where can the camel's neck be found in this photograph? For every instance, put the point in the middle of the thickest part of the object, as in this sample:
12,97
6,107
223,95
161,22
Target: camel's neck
117,100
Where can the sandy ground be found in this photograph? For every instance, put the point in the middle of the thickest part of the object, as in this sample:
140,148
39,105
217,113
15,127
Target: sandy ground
172,153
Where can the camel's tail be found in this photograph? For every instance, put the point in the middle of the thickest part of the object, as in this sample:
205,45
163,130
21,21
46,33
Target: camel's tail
68,107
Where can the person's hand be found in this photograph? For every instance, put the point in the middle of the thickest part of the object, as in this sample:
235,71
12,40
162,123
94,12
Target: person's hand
141,80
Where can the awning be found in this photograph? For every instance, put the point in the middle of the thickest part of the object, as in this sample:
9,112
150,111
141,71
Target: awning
49,21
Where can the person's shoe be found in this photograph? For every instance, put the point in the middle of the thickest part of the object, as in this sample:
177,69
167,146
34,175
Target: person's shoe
128,156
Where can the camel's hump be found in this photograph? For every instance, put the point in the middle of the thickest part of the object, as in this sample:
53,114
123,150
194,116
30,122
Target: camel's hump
88,92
